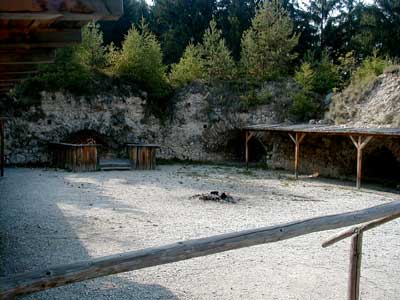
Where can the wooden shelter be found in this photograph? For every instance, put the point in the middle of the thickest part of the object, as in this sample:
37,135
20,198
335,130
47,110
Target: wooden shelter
31,30
360,137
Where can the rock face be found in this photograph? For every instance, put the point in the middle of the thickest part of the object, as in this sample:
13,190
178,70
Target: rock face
374,104
197,130
202,128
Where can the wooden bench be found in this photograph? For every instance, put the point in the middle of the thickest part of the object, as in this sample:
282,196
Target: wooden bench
142,156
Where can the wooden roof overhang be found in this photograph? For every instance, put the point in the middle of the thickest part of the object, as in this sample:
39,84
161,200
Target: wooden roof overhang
31,30
360,137
328,130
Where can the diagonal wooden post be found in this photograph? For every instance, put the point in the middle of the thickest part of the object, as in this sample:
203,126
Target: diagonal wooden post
297,140
360,145
249,135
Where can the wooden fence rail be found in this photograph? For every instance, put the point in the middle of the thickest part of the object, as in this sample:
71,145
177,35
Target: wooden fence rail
61,275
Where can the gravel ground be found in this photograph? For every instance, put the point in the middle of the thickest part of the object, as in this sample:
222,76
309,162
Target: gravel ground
52,217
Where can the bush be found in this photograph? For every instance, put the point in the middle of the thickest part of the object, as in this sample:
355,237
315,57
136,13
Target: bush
267,47
189,68
319,77
304,107
66,73
370,68
140,62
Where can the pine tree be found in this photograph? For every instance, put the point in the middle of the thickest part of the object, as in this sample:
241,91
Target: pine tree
217,58
91,52
189,68
268,44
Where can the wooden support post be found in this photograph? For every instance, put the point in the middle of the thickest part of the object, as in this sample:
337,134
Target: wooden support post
355,267
360,145
249,135
2,160
297,140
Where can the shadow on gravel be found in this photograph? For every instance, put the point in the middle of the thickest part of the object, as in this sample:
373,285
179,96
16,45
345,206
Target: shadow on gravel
35,234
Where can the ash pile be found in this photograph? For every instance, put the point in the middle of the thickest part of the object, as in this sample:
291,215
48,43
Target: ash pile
216,196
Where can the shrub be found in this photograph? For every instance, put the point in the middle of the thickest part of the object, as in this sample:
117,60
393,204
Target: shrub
370,68
305,76
140,61
189,68
66,73
268,44
304,107
326,76
217,59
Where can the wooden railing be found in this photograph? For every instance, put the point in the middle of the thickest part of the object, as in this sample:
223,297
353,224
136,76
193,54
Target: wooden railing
74,157
52,277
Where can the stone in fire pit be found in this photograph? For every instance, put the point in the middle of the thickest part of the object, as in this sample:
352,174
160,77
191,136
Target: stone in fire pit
216,196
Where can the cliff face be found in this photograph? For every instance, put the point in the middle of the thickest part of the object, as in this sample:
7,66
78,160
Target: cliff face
199,128
374,104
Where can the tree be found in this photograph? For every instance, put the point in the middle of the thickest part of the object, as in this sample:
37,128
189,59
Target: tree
234,17
178,22
189,68
268,44
217,59
134,12
91,52
321,13
140,61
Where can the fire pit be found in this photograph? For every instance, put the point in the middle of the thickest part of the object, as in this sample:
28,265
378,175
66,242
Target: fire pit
216,196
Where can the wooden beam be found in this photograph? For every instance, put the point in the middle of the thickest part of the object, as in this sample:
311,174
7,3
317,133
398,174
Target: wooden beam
18,68
52,277
297,141
34,56
2,160
39,38
355,267
360,144
354,230
249,135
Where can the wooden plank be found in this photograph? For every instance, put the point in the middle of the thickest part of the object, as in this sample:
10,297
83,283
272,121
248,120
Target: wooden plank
40,38
61,275
18,68
37,56
355,267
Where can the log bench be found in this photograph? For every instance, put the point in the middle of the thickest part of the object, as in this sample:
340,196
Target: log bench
142,156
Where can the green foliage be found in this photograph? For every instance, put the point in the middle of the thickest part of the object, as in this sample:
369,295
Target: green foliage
66,73
370,68
304,107
91,52
267,46
217,58
178,22
347,66
319,77
305,76
140,62
189,68
326,76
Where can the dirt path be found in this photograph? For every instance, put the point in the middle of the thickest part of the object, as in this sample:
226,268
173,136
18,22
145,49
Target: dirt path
49,217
